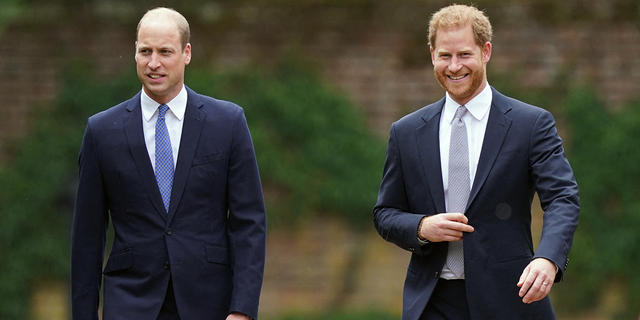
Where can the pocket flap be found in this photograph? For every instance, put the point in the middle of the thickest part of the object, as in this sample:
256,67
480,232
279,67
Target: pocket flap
217,254
119,260
207,159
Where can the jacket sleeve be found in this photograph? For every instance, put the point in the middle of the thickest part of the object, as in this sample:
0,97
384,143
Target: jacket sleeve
247,217
391,214
558,192
90,221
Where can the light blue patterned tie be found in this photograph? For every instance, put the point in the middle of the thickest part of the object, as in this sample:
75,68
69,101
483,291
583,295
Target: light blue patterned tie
459,185
164,157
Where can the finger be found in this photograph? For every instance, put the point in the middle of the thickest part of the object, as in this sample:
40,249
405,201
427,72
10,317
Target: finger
466,228
459,227
523,276
457,231
540,287
445,227
453,238
529,288
538,291
438,235
524,286
462,218
450,235
458,217
547,287
533,293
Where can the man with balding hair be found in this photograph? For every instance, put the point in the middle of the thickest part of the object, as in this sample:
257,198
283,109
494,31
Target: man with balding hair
176,173
459,179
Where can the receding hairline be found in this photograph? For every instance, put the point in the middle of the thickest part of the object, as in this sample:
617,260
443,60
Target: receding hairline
168,13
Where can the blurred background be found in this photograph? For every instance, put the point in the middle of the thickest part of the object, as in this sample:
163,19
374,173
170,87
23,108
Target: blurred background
321,82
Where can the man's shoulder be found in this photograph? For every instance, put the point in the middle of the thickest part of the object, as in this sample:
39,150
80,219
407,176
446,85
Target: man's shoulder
422,115
210,104
515,106
117,111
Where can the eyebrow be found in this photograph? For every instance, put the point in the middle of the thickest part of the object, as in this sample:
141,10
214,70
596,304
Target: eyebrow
163,47
464,50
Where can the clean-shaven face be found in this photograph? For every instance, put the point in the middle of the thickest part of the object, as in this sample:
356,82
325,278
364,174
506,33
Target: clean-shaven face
459,63
160,60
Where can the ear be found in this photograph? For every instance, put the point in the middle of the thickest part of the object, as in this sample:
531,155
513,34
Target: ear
433,60
135,55
187,54
486,52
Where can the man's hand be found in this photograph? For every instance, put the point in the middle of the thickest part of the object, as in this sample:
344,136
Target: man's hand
536,280
238,316
445,227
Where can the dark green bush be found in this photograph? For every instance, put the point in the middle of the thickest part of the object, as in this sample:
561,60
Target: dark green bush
317,158
604,154
314,153
38,190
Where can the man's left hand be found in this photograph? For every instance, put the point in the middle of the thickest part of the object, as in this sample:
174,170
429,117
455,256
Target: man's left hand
536,280
238,316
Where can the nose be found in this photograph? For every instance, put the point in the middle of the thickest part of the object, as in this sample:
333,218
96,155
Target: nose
455,65
154,62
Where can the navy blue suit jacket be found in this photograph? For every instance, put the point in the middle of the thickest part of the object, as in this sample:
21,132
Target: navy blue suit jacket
521,154
211,243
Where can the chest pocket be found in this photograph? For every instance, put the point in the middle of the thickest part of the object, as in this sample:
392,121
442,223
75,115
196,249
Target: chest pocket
208,159
511,155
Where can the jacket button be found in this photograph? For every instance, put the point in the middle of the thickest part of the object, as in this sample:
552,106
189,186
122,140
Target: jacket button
437,274
169,231
166,265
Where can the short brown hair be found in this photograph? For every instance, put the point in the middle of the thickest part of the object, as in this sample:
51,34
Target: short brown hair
168,13
460,16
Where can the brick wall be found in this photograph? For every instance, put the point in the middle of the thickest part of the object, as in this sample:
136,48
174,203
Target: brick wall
375,53
25,81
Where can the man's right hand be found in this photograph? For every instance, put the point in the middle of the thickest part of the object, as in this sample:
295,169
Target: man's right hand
445,227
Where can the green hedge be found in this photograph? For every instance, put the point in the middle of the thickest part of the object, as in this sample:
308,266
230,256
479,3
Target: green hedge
314,153
37,191
605,155
316,158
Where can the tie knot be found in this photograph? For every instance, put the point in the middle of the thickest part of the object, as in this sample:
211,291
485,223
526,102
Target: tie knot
460,112
163,110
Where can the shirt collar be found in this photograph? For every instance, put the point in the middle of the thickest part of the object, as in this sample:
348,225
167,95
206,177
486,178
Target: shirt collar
177,106
478,106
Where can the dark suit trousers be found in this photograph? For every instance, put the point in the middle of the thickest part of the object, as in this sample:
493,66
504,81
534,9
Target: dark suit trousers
448,302
169,310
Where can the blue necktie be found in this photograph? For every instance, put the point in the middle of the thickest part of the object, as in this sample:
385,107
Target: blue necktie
164,157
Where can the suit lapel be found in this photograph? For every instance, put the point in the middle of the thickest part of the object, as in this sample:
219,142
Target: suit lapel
135,137
427,137
191,129
498,125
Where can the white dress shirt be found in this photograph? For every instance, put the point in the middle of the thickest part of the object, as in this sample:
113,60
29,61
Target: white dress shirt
174,120
476,123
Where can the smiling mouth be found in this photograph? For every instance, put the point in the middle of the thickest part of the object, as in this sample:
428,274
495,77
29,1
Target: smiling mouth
155,76
457,78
